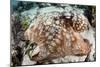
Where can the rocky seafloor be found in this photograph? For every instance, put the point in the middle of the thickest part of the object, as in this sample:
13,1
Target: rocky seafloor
48,33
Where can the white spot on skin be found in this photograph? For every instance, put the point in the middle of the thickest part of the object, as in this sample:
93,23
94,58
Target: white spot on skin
53,43
57,22
50,37
47,34
48,23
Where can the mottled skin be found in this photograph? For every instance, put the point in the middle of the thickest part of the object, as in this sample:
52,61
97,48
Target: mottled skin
57,36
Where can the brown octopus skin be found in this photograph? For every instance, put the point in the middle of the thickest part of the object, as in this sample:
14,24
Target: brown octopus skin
57,39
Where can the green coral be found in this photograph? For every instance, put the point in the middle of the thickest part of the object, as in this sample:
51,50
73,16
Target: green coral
25,23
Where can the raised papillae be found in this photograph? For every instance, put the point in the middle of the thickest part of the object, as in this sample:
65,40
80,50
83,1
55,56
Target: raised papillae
55,35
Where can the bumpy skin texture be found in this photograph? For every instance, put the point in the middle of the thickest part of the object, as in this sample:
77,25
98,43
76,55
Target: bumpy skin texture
57,36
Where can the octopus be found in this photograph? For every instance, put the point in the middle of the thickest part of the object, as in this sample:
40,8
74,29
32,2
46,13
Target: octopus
54,35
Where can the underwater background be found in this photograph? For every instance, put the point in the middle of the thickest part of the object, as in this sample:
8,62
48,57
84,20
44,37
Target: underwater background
24,12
